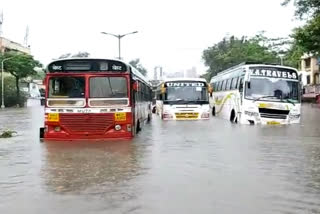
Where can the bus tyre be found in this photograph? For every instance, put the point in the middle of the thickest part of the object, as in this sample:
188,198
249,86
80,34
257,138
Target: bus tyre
233,117
213,111
138,127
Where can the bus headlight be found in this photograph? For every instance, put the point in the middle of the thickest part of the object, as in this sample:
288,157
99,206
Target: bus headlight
294,116
166,115
205,115
57,129
129,127
117,127
251,113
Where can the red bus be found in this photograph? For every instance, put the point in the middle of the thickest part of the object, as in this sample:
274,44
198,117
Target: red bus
94,99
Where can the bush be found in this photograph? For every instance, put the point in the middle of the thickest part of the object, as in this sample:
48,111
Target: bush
10,93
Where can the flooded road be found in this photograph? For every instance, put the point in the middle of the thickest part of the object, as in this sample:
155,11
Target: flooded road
171,167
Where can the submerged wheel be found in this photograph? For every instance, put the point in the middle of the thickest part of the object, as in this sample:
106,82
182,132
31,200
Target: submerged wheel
138,129
233,117
213,111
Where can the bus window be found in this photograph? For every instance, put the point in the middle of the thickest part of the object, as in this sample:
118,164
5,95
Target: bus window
240,84
217,86
234,82
223,85
228,84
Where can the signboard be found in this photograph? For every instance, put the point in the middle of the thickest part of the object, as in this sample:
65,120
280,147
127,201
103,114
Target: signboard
185,84
273,72
86,65
53,117
120,116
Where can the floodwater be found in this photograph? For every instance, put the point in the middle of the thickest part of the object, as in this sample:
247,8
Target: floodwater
171,167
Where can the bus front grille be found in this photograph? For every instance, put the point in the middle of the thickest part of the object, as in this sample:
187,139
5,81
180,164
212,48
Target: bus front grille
90,123
273,113
187,115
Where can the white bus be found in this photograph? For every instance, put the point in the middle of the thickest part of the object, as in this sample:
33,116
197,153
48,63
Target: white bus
257,94
183,99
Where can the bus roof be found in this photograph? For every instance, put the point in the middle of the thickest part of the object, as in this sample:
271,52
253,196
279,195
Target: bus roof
184,79
246,64
94,65
86,64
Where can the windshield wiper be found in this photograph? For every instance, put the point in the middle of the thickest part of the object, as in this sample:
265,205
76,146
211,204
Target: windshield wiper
177,101
289,101
262,97
110,86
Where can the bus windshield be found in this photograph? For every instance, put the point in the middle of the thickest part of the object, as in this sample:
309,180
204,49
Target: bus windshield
66,87
186,94
108,87
272,89
106,91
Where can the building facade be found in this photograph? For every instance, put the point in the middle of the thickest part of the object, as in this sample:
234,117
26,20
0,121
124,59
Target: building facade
7,45
310,70
310,75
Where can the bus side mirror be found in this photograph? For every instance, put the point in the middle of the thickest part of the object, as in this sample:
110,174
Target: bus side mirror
135,86
249,85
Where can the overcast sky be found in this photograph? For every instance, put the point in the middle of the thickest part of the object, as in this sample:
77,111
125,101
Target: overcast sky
171,33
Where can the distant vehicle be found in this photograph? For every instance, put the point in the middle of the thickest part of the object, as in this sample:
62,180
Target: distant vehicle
94,99
183,99
31,89
257,94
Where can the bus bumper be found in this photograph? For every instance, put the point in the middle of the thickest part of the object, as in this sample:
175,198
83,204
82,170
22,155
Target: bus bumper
63,135
252,120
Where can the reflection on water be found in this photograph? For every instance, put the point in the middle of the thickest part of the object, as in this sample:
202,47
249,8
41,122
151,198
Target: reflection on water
74,167
171,167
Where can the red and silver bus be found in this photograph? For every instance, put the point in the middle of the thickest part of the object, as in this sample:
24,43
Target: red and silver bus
94,99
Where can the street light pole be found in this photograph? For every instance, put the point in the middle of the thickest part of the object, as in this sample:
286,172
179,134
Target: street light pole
2,81
119,47
119,38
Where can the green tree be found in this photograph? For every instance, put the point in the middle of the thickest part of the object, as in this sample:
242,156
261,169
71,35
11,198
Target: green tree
20,66
232,51
136,64
80,54
39,75
305,7
307,37
10,94
292,56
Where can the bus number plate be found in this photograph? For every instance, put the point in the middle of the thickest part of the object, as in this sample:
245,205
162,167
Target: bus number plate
53,117
273,123
121,116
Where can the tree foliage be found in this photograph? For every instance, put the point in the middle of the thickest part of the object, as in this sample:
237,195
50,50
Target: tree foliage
305,7
136,64
80,54
307,37
292,57
20,66
10,94
232,51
